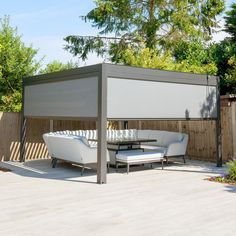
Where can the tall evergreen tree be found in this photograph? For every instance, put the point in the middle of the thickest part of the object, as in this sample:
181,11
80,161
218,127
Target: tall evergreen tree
230,22
153,24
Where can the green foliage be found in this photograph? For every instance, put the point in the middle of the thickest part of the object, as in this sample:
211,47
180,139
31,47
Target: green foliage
230,22
16,62
11,102
153,24
55,66
232,169
195,52
82,46
229,80
224,54
150,59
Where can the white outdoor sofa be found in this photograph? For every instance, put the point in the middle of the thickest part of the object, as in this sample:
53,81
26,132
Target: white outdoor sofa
173,144
71,148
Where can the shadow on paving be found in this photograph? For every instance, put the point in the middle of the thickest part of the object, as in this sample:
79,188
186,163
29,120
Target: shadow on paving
195,166
67,172
231,188
42,169
63,171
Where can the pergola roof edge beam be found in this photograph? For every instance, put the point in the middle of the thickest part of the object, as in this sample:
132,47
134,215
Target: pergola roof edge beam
128,72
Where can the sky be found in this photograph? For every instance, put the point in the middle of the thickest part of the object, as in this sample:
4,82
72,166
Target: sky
44,23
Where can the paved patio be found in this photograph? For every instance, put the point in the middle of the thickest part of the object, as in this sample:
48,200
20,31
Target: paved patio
38,200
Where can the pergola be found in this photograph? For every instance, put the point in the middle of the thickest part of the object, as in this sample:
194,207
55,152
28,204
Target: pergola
113,92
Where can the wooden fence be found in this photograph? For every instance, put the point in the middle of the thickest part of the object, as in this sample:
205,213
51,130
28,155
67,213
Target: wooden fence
202,136
202,144
35,148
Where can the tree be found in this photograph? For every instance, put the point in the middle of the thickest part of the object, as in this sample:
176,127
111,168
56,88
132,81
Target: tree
12,102
230,22
139,24
55,66
16,62
195,52
150,59
224,54
229,81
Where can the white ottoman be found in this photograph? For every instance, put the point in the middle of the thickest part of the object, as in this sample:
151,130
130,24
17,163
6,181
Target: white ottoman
131,157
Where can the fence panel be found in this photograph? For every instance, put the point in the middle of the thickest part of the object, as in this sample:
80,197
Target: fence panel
201,134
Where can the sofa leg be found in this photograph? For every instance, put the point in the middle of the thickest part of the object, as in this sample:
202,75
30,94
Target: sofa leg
108,167
184,159
116,166
82,170
162,164
167,162
54,162
127,168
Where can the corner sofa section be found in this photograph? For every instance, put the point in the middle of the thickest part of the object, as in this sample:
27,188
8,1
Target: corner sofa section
71,148
173,144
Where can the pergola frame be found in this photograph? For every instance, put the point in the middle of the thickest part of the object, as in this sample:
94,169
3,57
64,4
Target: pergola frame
103,72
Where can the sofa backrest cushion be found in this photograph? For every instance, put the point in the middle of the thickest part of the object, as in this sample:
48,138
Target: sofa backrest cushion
143,134
92,134
164,138
126,133
65,147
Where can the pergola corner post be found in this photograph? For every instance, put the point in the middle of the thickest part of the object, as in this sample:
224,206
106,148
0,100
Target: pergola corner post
102,126
22,129
218,127
22,138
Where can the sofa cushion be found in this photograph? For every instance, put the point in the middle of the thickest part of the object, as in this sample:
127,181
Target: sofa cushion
164,138
129,157
82,138
79,132
170,137
129,133
143,134
121,134
153,148
158,135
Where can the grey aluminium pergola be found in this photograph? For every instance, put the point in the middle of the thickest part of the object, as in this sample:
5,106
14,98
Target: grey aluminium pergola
113,92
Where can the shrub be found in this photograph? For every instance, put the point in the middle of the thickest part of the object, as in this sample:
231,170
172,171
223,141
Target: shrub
11,103
232,169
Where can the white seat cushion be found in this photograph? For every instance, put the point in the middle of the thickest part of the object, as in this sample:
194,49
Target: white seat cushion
151,147
129,157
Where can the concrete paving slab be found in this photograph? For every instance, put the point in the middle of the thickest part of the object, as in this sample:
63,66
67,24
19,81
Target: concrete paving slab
38,200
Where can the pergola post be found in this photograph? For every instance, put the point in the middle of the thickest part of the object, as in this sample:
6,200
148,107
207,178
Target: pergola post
22,128
102,127
218,127
22,138
126,124
51,125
